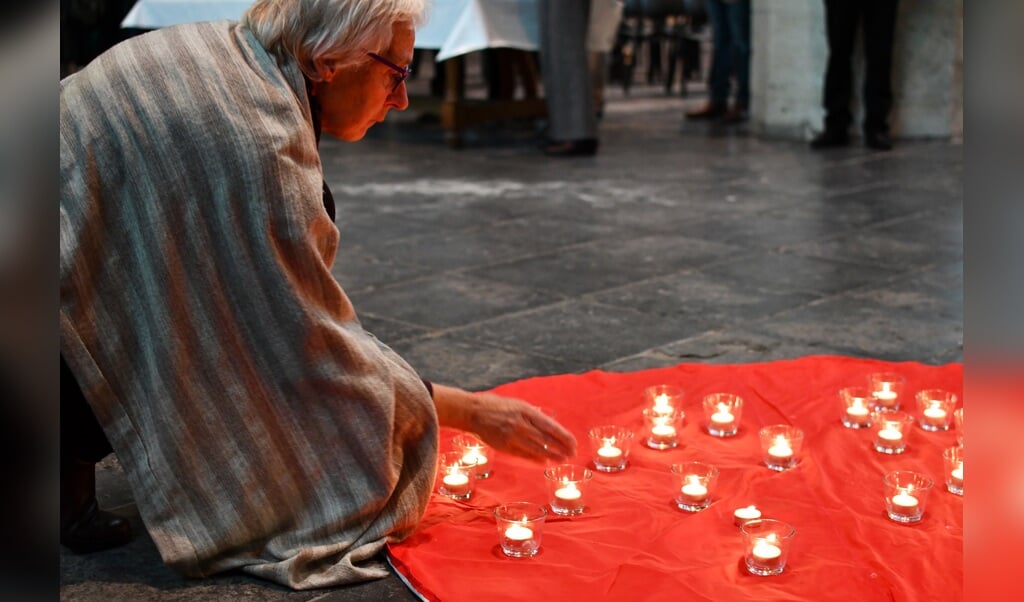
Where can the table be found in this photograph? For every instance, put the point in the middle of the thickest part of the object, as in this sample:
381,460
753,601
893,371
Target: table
454,28
633,543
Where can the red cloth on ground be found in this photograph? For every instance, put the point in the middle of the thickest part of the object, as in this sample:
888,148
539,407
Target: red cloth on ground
633,543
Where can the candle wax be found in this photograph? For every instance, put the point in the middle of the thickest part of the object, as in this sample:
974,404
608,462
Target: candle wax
747,513
474,457
780,451
958,474
722,418
568,493
765,551
695,491
904,501
663,430
455,479
858,410
519,532
890,434
609,452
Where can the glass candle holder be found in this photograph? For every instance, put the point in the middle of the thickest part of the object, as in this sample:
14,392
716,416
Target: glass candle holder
664,399
695,484
935,409
856,403
662,428
722,413
886,390
905,495
766,544
455,475
953,460
520,527
566,487
475,451
610,445
891,430
781,446
958,420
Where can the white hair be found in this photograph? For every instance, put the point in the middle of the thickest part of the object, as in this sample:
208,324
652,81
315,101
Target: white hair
309,30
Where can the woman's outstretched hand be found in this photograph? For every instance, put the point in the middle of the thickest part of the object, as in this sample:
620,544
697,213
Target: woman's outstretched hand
505,423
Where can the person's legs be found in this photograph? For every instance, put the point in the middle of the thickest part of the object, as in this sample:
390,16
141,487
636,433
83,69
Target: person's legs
721,64
841,21
572,121
879,31
83,526
738,17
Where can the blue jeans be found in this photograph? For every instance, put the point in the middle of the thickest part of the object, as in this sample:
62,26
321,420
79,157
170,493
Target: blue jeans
730,58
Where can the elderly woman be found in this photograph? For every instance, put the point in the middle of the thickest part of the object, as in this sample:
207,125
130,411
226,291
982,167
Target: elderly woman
203,337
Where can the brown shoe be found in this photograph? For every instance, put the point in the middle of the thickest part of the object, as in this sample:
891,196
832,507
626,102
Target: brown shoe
735,115
708,112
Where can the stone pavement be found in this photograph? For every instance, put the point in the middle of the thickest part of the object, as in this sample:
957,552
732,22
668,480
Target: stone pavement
678,242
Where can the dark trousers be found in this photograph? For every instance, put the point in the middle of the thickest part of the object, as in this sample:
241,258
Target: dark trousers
730,57
81,437
842,18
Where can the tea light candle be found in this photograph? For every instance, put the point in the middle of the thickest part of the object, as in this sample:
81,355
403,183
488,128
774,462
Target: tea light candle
474,456
662,405
663,431
694,490
568,492
886,396
780,450
609,452
857,411
957,475
747,513
455,480
723,418
890,434
934,416
765,551
904,502
518,532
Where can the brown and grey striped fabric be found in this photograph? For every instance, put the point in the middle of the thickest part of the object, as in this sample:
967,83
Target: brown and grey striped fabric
261,428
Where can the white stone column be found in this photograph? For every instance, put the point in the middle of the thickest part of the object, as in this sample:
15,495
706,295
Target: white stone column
788,69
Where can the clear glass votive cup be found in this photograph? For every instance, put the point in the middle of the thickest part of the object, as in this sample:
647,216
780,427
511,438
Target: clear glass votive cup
456,475
958,420
906,493
695,485
935,409
663,399
610,445
886,390
781,444
953,461
520,527
473,449
722,413
856,403
891,431
662,428
766,545
567,485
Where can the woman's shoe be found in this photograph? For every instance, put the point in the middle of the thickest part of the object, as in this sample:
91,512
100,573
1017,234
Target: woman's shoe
570,148
84,527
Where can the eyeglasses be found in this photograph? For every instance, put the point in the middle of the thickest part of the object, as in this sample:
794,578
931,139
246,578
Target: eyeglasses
403,72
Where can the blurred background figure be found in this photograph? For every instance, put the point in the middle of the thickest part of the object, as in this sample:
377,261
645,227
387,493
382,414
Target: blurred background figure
842,18
565,71
730,61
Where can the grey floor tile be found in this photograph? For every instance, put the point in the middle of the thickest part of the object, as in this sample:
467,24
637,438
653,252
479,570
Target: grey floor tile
787,272
742,346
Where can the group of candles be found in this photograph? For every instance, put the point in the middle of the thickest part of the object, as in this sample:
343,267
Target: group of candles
879,406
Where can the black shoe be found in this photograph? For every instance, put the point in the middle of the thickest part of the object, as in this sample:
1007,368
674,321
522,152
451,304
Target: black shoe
710,111
830,139
570,148
878,140
95,530
735,115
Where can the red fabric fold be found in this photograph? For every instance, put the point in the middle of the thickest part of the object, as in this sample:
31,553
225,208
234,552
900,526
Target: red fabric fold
633,543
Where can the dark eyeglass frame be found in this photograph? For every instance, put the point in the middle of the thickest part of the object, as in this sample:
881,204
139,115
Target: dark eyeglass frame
405,72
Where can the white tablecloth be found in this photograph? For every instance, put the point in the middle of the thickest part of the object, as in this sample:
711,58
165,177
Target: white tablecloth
453,27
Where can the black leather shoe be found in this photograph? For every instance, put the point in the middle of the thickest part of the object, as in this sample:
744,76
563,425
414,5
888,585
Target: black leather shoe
878,140
571,148
830,139
95,530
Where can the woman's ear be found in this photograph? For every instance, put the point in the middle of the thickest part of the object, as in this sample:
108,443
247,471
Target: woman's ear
327,68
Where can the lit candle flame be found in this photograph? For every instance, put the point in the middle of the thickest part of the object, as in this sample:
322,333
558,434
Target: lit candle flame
724,408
